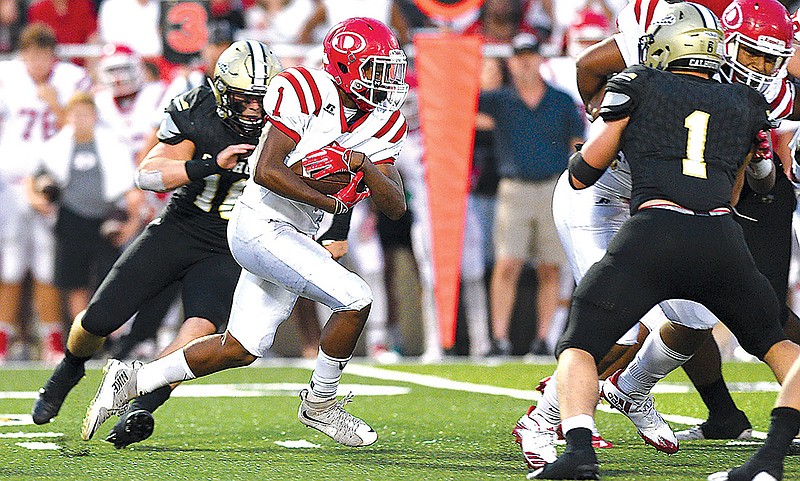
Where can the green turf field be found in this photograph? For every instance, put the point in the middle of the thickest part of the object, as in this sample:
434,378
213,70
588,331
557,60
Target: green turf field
435,427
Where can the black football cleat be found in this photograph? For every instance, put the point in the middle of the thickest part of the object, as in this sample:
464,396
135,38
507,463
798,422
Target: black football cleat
52,395
570,465
735,426
132,427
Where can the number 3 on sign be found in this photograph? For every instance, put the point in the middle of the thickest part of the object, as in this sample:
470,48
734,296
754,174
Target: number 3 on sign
694,164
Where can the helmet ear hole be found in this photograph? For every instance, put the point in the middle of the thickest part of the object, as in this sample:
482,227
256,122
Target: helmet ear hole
343,67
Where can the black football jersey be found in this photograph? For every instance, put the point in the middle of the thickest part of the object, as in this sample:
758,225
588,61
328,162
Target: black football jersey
203,205
687,136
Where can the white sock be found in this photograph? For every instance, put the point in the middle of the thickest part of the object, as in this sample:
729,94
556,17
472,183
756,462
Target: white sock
163,372
326,375
579,421
548,407
653,362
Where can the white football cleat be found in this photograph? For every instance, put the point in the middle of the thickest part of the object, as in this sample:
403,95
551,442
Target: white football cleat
537,438
117,387
642,412
331,418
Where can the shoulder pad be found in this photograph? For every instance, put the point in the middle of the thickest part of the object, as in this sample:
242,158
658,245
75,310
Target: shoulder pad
622,91
189,100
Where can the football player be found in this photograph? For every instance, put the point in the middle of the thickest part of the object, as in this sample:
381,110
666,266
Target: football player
204,140
587,220
686,154
125,102
344,118
33,91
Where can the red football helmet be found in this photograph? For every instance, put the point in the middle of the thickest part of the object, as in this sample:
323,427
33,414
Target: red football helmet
759,27
365,59
120,69
588,27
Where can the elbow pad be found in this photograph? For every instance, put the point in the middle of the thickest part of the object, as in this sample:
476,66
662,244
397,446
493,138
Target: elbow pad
151,180
583,172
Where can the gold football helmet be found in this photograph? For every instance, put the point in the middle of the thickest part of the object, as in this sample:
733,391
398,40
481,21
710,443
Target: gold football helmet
242,74
688,37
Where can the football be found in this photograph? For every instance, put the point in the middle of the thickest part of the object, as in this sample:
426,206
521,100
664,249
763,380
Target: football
328,185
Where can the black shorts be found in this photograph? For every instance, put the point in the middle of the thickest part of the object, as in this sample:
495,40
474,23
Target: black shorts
83,257
659,255
768,233
165,253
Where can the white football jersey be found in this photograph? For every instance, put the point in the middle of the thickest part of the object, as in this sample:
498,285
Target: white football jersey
133,122
27,121
304,104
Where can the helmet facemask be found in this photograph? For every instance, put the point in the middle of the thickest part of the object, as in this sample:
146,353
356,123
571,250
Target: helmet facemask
232,108
775,58
381,83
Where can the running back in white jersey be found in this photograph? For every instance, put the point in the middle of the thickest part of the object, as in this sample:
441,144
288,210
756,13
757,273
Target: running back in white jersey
27,120
305,105
132,121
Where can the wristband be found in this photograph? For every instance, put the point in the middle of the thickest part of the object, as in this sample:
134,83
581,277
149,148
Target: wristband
340,208
198,169
339,229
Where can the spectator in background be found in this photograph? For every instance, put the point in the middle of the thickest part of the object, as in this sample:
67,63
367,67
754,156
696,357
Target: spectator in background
133,23
535,128
12,19
33,89
91,168
331,12
588,28
231,11
279,21
220,37
500,20
483,177
73,21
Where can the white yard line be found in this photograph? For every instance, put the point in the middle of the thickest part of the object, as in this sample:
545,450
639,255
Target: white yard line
437,382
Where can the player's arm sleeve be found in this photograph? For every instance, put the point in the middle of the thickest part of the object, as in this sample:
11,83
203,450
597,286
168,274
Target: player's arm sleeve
620,99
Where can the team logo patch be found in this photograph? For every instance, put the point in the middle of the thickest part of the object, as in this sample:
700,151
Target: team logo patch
348,42
733,17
